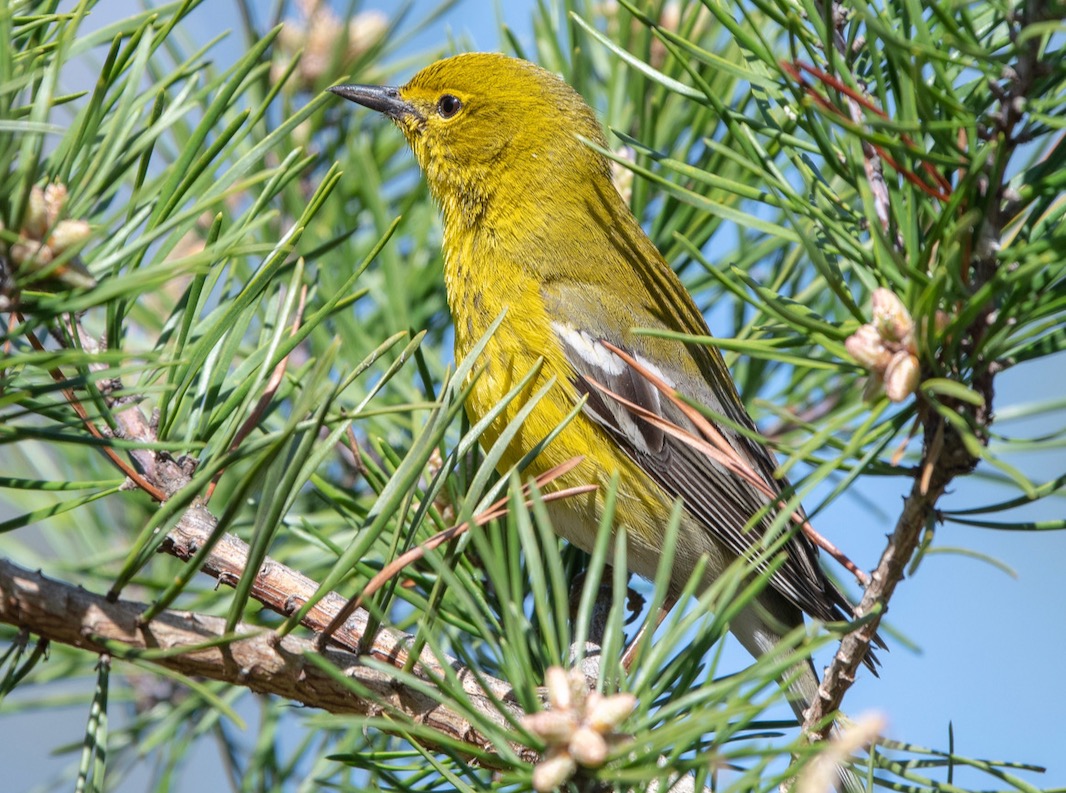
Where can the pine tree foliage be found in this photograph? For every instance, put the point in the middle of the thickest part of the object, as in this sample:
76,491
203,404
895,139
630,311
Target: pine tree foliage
228,403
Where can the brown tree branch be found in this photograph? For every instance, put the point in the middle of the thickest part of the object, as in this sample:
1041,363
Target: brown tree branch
917,509
284,590
255,658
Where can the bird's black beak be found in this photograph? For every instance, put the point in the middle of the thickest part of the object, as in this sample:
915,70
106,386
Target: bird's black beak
377,97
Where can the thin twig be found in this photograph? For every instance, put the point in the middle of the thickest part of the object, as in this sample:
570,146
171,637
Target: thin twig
497,510
68,394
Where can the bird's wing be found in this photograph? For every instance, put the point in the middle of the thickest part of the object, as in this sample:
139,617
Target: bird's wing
635,414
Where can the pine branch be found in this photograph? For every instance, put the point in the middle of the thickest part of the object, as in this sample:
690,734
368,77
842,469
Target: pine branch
198,645
918,508
945,455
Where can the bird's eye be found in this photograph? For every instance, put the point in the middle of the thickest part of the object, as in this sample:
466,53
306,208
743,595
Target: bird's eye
448,105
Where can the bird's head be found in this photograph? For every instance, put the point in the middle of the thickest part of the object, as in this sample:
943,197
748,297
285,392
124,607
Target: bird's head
486,128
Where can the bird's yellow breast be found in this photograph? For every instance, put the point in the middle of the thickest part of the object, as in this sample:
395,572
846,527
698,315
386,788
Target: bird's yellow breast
523,341
477,295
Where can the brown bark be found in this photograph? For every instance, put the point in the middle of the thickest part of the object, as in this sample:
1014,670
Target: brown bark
198,646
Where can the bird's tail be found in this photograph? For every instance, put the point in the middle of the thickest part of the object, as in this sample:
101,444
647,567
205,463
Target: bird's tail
758,638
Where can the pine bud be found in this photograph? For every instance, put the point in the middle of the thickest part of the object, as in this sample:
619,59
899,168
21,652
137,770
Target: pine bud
553,771
902,376
55,197
557,681
588,747
890,316
35,223
364,31
68,233
866,346
606,713
554,727
31,253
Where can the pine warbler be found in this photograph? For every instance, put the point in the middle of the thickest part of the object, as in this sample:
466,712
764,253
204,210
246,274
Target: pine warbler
533,224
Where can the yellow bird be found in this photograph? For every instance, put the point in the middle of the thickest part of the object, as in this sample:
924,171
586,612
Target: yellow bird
533,224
